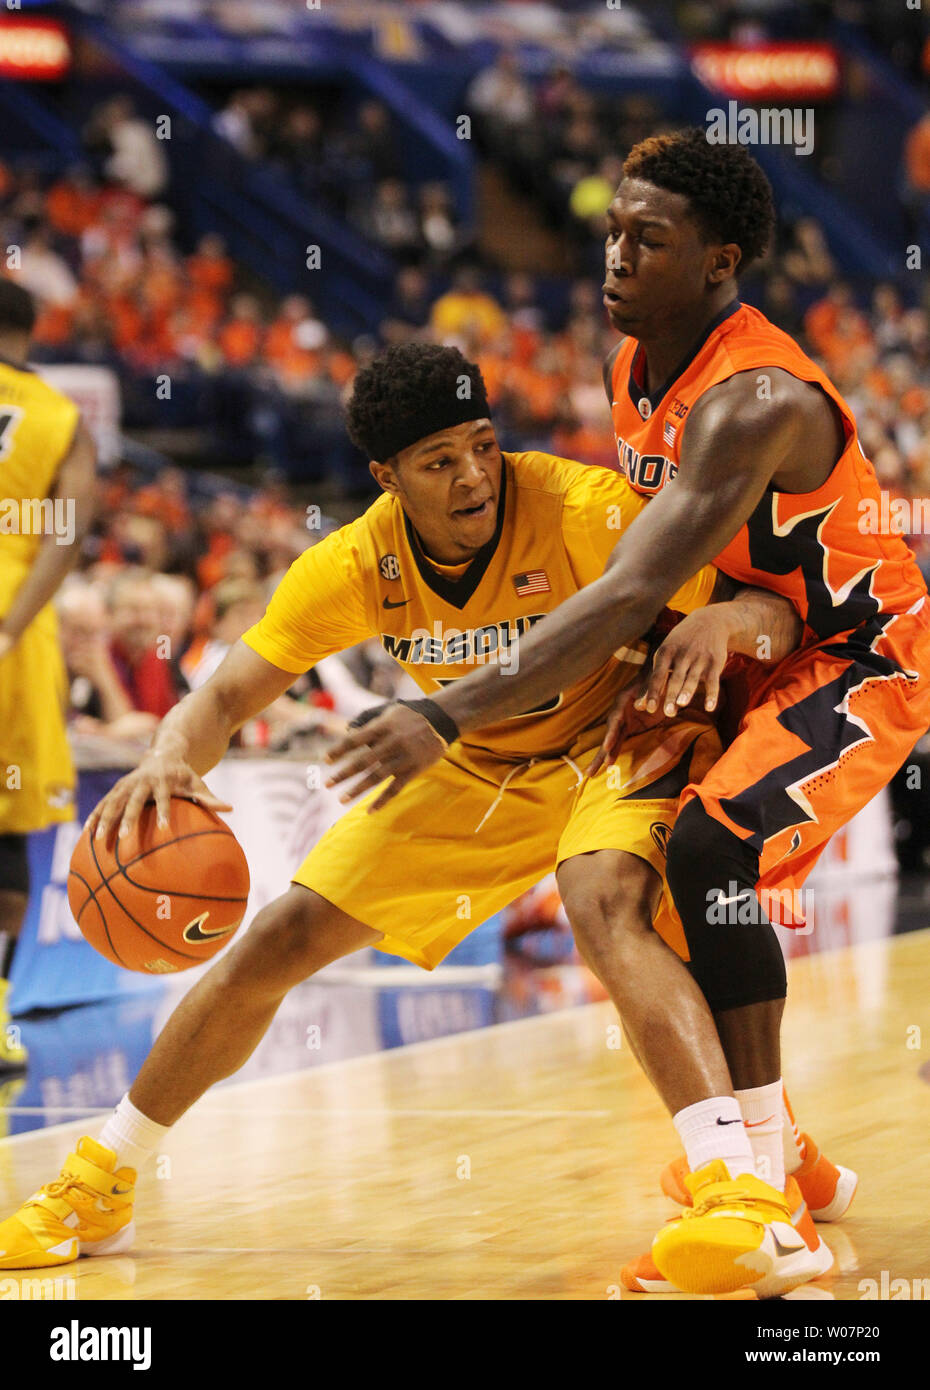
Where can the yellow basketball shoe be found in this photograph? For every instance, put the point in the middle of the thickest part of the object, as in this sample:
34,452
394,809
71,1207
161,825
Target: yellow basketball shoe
87,1211
738,1234
827,1188
13,1056
642,1276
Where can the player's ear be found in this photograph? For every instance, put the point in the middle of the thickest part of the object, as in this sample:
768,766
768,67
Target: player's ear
384,475
724,263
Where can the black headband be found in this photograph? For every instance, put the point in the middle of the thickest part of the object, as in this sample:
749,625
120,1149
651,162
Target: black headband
440,412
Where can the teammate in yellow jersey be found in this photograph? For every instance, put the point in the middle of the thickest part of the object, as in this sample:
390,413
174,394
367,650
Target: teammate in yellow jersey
466,548
47,465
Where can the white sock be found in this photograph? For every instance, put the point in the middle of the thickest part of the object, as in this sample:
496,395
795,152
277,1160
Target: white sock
792,1145
131,1135
714,1129
761,1108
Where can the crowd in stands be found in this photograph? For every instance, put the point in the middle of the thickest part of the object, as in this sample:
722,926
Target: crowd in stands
352,161
166,584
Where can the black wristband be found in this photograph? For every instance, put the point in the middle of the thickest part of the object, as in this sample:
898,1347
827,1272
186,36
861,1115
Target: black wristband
367,715
442,723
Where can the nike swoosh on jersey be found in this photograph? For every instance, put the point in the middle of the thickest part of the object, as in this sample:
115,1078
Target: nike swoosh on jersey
389,604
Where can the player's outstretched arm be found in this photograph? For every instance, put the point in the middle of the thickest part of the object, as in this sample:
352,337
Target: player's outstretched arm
732,446
190,740
74,502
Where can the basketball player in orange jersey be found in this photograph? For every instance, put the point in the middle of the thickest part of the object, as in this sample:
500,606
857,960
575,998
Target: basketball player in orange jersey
753,460
466,549
47,482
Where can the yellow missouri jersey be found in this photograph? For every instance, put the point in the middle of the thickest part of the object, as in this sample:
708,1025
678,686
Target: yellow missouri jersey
37,425
557,523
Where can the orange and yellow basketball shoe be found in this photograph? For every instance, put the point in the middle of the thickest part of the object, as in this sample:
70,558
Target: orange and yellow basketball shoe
827,1188
87,1211
738,1234
642,1276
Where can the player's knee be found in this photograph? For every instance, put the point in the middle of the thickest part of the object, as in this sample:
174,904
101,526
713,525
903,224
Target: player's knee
605,908
291,938
702,851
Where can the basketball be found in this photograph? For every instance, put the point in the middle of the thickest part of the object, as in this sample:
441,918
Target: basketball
161,900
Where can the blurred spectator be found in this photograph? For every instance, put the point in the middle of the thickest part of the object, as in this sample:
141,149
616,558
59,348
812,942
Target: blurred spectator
467,308
502,99
437,230
240,337
807,259
96,689
127,145
373,141
141,659
73,203
780,303
389,219
237,605
248,121
409,308
45,273
889,319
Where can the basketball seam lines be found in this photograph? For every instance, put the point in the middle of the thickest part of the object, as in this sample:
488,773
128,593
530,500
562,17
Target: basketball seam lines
188,835
105,883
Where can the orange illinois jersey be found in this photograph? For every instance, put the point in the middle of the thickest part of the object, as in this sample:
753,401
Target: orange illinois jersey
820,549
557,523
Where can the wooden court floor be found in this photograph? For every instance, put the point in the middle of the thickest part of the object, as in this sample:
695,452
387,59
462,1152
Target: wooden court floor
517,1162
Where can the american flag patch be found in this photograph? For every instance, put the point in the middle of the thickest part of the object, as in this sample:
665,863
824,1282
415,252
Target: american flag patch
533,582
668,432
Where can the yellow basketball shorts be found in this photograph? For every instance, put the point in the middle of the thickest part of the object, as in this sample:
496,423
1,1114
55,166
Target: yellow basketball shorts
36,771
471,834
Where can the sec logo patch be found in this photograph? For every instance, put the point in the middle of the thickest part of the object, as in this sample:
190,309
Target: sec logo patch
389,565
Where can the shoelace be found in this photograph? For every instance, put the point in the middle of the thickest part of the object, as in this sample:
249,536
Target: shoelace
60,1187
720,1199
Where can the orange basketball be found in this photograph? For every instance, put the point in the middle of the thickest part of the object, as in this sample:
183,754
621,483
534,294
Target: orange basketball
161,900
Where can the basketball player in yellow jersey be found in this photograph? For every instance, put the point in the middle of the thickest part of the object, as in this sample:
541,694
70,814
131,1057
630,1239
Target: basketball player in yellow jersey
466,548
47,467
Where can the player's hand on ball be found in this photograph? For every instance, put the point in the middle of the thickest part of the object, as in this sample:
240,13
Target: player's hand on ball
694,653
389,741
158,778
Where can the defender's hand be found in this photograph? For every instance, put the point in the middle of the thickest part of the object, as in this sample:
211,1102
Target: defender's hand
391,741
158,778
613,737
694,653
